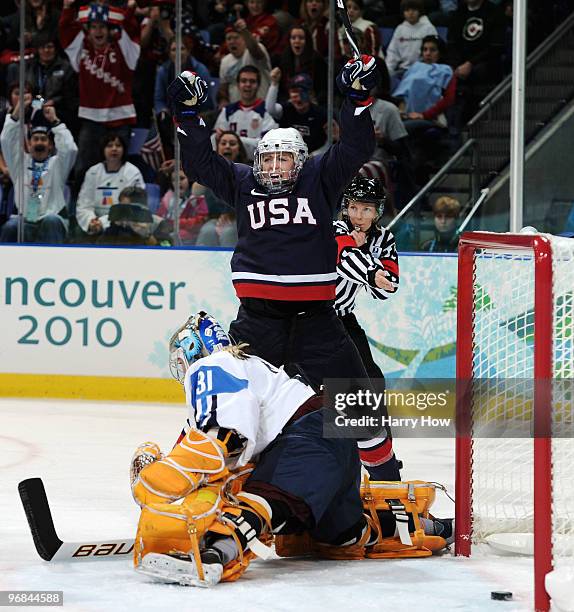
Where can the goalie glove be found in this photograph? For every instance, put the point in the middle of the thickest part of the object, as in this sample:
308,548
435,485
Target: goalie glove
358,77
145,454
187,93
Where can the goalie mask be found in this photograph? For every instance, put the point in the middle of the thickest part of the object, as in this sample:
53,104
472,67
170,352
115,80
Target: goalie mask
279,157
198,337
367,191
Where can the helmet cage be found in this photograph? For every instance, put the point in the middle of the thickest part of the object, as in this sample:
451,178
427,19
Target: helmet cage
198,337
272,180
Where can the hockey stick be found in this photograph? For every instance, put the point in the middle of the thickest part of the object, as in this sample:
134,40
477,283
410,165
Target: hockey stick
341,10
46,540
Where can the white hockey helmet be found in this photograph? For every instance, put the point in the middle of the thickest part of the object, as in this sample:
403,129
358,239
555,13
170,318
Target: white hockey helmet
198,337
280,140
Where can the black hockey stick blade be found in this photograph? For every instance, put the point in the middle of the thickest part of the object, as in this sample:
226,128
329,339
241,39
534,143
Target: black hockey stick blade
37,509
46,540
344,17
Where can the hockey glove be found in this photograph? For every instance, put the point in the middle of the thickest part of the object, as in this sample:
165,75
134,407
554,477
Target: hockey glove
358,77
186,94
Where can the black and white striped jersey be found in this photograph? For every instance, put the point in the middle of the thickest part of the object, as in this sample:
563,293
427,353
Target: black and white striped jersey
356,266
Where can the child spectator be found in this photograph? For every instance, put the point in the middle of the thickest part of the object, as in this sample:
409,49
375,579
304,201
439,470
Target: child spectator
221,229
244,50
106,67
300,57
192,210
248,117
446,211
45,175
102,185
299,111
370,31
405,46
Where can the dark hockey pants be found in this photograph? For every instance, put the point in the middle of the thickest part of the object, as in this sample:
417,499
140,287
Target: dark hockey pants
322,473
313,343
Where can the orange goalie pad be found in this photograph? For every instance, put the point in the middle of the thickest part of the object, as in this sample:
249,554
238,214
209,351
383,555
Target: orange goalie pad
415,497
196,459
172,527
165,527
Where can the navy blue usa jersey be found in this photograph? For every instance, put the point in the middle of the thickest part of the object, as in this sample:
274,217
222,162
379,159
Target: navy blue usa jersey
286,248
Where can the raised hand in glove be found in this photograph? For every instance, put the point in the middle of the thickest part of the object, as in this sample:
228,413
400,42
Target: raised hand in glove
358,77
187,93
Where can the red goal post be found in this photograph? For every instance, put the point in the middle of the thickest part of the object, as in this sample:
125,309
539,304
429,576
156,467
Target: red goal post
513,290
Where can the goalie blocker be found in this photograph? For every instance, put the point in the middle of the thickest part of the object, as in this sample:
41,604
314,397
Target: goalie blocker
202,524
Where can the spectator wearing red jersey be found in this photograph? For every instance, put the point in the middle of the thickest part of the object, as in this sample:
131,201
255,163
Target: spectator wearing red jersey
106,67
263,26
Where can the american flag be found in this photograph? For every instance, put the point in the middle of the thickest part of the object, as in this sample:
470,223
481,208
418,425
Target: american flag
100,12
152,151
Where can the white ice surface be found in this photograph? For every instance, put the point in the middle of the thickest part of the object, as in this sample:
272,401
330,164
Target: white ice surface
82,452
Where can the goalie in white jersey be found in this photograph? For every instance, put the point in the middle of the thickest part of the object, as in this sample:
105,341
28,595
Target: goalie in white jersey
242,410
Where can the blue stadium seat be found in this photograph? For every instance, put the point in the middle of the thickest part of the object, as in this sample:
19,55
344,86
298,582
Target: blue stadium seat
442,32
153,196
386,34
205,35
138,137
8,207
213,89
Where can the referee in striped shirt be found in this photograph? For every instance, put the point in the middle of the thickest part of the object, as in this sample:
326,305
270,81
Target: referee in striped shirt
367,258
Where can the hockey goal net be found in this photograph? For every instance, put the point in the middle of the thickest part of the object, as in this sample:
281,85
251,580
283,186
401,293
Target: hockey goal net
515,405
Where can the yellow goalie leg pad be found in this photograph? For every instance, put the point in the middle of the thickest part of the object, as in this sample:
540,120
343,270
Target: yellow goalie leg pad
195,460
165,528
413,497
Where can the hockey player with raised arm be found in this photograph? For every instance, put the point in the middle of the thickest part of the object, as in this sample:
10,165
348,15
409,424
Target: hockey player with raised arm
284,264
206,511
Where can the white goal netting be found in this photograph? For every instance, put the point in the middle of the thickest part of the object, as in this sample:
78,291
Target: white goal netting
504,339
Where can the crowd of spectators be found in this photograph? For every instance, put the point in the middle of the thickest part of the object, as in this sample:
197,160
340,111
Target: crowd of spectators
100,134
